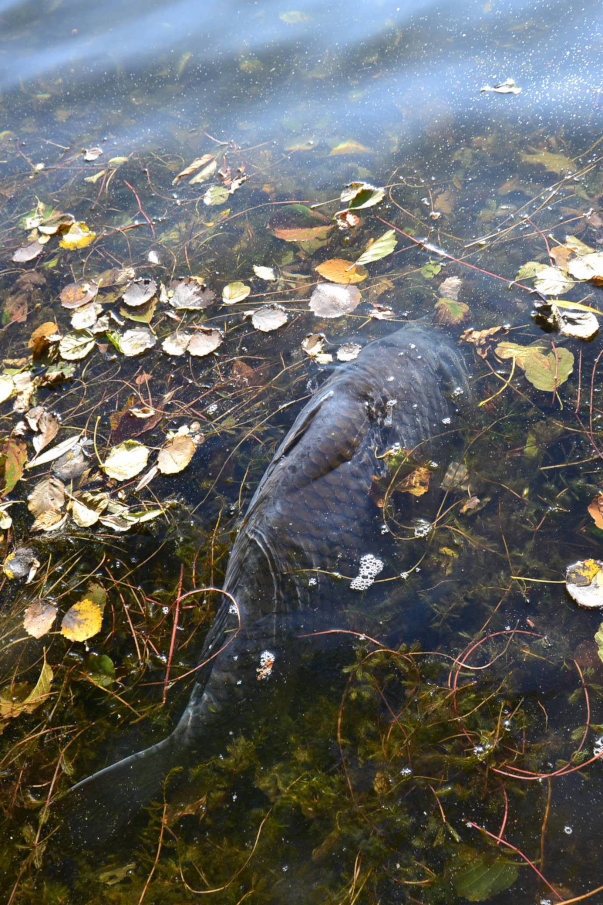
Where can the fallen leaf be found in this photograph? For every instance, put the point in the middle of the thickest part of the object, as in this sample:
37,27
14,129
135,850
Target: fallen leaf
545,370
17,699
45,423
506,87
358,195
587,267
338,270
76,345
92,154
21,563
334,300
138,292
596,510
51,454
584,582
82,621
197,163
346,219
13,459
348,351
552,281
176,343
235,292
269,317
48,495
190,294
7,387
554,163
74,295
216,194
450,311
378,249
86,508
70,465
86,317
51,520
175,454
313,344
38,618
303,234
126,460
136,341
77,236
349,147
417,482
43,337
204,341
450,288
264,273
27,252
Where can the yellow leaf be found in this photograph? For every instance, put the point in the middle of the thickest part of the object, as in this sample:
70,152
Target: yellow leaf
82,621
349,147
77,236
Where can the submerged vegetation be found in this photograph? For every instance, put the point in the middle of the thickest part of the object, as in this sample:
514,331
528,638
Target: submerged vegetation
163,315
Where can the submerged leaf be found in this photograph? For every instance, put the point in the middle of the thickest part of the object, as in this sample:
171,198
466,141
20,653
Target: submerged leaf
216,194
76,345
77,236
190,294
136,341
450,311
334,300
380,248
48,495
595,509
43,337
175,454
14,704
21,563
38,618
303,234
176,343
358,195
348,351
545,371
551,281
138,292
484,877
587,267
74,295
13,459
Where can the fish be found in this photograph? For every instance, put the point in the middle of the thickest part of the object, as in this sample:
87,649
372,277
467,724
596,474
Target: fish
311,520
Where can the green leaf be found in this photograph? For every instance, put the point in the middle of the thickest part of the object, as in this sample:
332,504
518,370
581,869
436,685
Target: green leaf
430,270
13,457
599,641
216,194
484,877
545,371
361,194
380,248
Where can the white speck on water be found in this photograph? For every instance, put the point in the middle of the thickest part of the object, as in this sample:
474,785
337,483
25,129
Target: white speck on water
264,670
422,527
312,582
446,420
458,391
370,567
406,771
165,610
212,409
568,830
233,609
404,575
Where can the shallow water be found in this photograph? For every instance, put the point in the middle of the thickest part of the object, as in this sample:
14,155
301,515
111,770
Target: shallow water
371,783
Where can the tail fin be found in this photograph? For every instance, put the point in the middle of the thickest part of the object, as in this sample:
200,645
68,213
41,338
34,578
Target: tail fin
104,802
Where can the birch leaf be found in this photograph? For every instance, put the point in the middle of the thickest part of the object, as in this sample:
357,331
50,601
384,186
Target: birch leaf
380,248
126,460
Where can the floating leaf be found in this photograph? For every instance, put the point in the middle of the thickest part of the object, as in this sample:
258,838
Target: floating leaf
235,292
82,621
587,267
76,345
551,281
357,195
86,508
216,194
136,341
338,270
313,344
74,295
545,371
77,236
175,454
48,495
126,460
100,669
138,292
554,163
13,458
584,582
346,219
85,317
303,234
485,876
51,520
269,317
190,294
21,563
450,288
45,424
529,270
380,248
51,454
204,341
43,337
596,510
264,273
92,154
569,319
176,343
71,464
599,641
38,618
450,311
7,387
334,300
348,351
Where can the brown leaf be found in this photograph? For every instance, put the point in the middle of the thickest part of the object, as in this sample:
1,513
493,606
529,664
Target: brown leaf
43,337
596,510
175,454
38,618
417,482
47,496
28,252
13,457
74,295
303,234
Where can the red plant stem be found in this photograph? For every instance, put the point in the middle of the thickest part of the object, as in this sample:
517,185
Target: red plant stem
443,254
519,852
140,207
173,638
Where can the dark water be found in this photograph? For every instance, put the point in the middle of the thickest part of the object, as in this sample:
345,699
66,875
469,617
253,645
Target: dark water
375,777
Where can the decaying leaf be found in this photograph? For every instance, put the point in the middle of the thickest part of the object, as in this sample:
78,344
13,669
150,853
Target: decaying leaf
18,698
303,234
71,464
204,341
596,510
584,582
313,344
378,249
348,351
21,563
138,292
190,294
334,300
175,454
176,343
13,459
554,163
417,482
197,163
82,621
587,267
235,292
450,311
51,454
47,495
350,146
126,460
28,252
456,477
551,281
264,273
216,194
269,317
338,270
450,288
76,345
45,424
482,339
86,317
136,341
86,508
74,295
484,876
569,318
38,618
43,337
77,236
7,387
